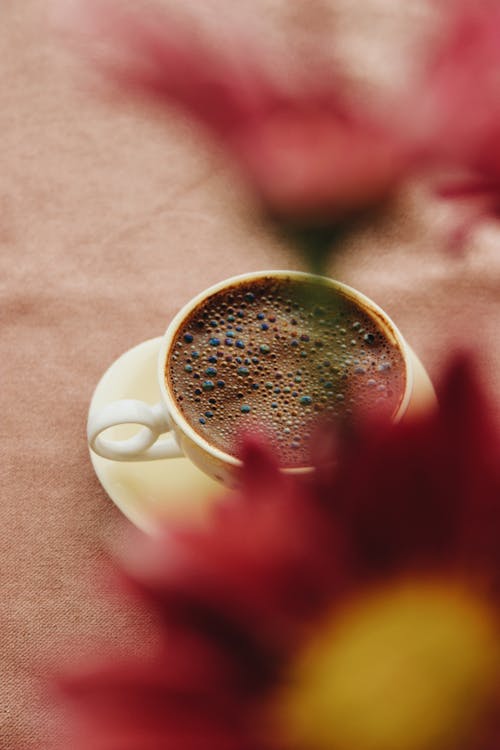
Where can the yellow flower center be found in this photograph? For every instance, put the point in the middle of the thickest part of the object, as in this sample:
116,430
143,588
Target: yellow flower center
405,668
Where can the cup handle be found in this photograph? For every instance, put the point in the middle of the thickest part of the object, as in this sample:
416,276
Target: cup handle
144,446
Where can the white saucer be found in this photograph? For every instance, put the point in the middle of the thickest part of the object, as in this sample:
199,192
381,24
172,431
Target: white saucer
147,491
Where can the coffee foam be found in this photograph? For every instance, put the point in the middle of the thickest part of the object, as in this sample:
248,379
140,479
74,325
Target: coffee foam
273,357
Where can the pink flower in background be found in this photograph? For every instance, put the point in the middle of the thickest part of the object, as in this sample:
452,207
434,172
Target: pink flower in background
461,92
355,609
307,149
316,159
463,80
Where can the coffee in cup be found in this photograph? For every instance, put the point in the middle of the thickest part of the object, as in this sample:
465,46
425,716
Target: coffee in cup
269,353
273,356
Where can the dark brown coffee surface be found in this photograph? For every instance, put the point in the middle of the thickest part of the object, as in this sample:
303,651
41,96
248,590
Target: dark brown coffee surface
273,357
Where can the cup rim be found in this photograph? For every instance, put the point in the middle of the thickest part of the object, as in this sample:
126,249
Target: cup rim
176,416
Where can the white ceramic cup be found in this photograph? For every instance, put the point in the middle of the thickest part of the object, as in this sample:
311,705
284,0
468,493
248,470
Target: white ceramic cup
166,433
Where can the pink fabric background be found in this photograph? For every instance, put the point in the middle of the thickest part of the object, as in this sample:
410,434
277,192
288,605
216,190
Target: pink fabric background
110,220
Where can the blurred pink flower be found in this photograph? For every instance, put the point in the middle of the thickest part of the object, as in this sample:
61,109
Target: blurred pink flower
317,159
463,85
305,147
461,94
357,608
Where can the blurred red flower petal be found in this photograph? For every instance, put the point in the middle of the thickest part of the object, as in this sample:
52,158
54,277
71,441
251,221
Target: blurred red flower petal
425,493
237,599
